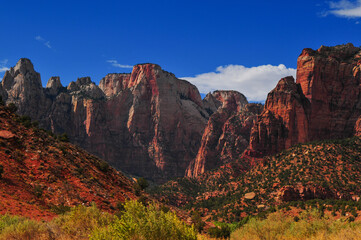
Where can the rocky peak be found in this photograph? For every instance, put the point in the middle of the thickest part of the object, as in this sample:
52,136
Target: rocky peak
330,78
225,99
284,121
83,81
24,66
324,103
54,85
225,137
113,83
22,75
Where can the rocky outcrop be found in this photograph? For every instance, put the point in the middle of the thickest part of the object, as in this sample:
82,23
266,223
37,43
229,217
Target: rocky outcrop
147,123
114,83
330,78
284,121
308,192
358,127
23,85
227,133
324,103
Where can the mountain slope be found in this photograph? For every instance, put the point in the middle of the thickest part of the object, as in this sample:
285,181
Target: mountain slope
319,170
41,175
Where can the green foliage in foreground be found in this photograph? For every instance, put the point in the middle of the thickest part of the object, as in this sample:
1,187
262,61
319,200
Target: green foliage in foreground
309,225
148,223
135,222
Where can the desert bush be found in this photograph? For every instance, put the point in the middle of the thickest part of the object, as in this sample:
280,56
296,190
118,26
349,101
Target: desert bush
18,228
222,231
81,221
1,171
38,191
148,223
310,225
12,107
103,166
143,183
63,137
197,221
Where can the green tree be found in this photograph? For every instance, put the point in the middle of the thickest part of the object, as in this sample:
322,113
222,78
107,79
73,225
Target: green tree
140,222
143,183
12,107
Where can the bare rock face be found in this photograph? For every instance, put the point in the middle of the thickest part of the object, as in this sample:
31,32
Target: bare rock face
324,103
23,85
54,86
213,101
358,127
284,121
330,78
308,192
114,83
227,133
147,123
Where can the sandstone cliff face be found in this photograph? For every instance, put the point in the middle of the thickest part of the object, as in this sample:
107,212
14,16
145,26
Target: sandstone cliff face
284,121
22,84
227,133
147,123
325,102
330,78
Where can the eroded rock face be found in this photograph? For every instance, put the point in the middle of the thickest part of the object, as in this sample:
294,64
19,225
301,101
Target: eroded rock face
23,85
147,123
330,78
324,103
308,192
284,121
227,133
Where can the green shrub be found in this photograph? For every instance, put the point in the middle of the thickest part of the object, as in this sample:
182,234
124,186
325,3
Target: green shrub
63,137
197,221
223,231
1,171
140,222
60,209
38,191
103,166
12,107
143,183
81,221
14,227
280,226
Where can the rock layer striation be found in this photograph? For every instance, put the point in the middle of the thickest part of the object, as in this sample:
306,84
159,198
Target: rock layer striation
147,123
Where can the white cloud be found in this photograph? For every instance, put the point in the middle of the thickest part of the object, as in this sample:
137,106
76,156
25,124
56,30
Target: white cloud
345,8
42,40
254,82
3,67
47,44
115,63
39,38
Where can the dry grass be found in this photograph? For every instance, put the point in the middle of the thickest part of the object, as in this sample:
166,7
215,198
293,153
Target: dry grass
309,226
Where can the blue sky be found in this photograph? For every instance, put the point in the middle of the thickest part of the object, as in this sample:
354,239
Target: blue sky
198,40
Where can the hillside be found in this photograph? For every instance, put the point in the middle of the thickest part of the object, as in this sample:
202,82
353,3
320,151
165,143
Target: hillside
319,170
43,175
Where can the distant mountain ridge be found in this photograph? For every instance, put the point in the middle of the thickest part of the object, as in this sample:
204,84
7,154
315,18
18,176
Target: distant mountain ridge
151,124
147,123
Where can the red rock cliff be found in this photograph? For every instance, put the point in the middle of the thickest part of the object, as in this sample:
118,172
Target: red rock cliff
330,78
147,123
325,102
227,133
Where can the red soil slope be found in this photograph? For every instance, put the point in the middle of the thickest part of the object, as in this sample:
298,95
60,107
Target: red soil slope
41,173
